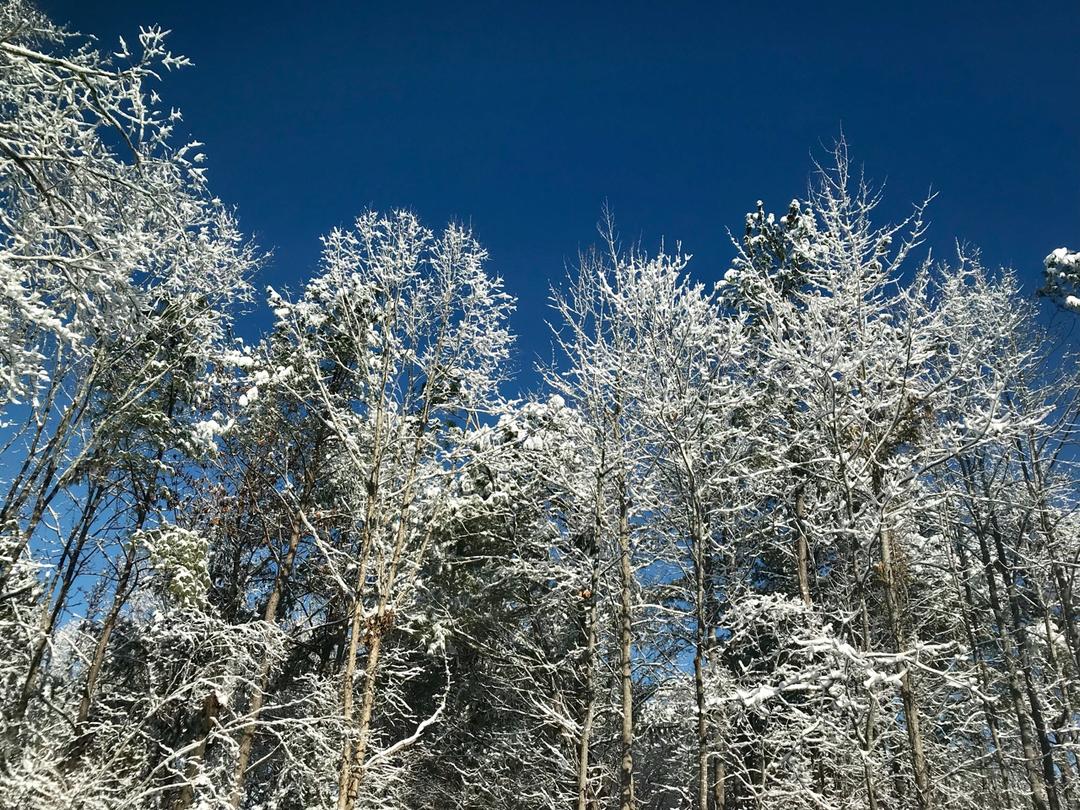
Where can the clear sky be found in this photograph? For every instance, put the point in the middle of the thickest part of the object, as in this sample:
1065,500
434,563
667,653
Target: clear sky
521,119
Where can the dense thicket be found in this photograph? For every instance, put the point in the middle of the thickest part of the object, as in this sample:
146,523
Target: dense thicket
804,538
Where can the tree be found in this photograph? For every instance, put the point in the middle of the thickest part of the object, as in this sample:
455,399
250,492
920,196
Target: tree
1062,273
803,538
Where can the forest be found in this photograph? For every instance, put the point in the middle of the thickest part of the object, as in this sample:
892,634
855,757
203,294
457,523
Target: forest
803,538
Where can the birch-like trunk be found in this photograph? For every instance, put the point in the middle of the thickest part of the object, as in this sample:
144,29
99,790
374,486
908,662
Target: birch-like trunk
627,800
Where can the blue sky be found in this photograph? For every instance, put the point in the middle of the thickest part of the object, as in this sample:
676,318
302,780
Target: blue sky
521,119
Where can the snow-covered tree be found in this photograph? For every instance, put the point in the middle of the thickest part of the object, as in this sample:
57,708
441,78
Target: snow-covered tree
1062,277
803,538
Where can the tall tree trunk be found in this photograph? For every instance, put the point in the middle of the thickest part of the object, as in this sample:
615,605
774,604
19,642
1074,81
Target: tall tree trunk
802,547
1035,479
50,613
702,633
207,716
897,608
353,765
44,465
626,640
591,599
146,499
367,539
354,770
97,660
585,737
258,697
1024,647
975,639
719,783
355,623
866,737
1039,798
703,749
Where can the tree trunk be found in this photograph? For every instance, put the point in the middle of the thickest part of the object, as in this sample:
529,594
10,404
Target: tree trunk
590,645
207,716
626,639
719,783
901,637
974,638
1024,647
69,562
247,735
702,633
97,660
802,548
353,770
1039,797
